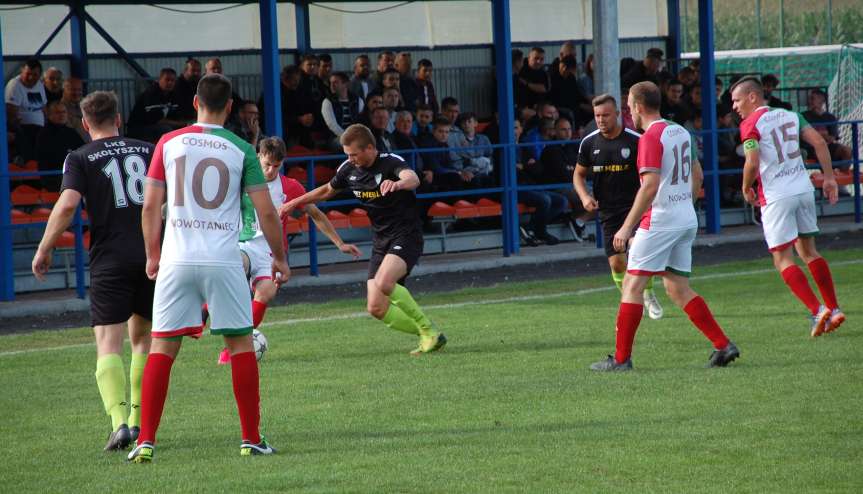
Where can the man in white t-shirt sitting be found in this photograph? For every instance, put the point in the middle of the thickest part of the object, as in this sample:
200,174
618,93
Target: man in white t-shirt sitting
25,103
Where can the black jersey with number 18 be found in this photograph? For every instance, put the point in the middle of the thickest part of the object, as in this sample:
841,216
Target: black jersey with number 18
110,174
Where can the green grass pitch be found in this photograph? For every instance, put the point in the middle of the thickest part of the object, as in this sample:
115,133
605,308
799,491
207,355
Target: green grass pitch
508,406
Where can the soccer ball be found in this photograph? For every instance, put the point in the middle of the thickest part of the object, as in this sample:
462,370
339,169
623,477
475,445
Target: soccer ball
259,341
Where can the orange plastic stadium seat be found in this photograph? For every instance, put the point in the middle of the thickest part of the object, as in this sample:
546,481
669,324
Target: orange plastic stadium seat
487,207
298,150
359,218
844,177
67,240
481,127
323,174
292,226
817,179
339,219
465,209
298,173
304,222
19,217
441,210
523,209
24,195
39,215
31,166
49,197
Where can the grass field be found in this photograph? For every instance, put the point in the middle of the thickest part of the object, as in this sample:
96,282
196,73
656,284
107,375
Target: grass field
509,406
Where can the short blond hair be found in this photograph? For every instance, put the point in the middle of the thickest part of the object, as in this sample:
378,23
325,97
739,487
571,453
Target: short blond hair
358,134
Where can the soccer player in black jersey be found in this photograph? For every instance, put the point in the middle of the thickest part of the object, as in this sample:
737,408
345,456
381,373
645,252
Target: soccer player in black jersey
384,184
109,174
609,153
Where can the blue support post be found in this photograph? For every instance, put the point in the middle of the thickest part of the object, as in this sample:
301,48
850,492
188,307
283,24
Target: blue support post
672,46
506,119
313,232
855,150
78,33
7,274
708,113
270,66
304,35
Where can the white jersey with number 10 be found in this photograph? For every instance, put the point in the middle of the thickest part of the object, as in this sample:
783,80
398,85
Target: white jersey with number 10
205,169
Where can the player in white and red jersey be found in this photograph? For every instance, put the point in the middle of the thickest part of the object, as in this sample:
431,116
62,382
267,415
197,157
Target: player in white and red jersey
202,170
771,141
253,244
670,176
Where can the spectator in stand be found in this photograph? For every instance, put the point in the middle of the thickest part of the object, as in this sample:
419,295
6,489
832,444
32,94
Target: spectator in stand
425,88
566,93
770,82
386,61
186,88
342,109
519,86
214,66
407,84
567,49
298,111
25,104
694,125
374,101
53,81
423,123
544,111
817,114
673,106
310,83
585,82
247,125
73,92
688,78
647,70
548,205
391,103
557,165
534,78
478,160
718,87
403,140
450,110
727,139
380,122
695,98
325,70
725,100
361,84
156,110
438,172
53,143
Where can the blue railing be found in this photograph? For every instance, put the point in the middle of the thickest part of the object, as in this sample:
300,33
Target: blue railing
509,193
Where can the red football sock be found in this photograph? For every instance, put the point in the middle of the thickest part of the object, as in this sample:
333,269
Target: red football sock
799,285
258,311
244,373
628,318
154,390
821,274
701,317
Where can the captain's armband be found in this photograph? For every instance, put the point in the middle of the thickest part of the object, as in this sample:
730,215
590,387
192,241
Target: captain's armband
750,145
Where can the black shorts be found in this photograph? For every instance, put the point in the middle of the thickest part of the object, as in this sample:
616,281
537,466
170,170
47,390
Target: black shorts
611,220
117,292
408,247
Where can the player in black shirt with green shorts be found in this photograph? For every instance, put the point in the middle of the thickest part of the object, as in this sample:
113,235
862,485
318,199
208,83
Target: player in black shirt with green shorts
109,174
609,154
384,184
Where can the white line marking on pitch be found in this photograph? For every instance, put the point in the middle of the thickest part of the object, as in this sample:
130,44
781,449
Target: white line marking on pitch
520,298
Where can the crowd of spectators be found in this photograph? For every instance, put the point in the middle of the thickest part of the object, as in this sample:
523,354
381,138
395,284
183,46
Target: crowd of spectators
451,147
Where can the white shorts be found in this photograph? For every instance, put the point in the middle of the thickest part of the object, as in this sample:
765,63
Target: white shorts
182,289
260,259
787,218
653,252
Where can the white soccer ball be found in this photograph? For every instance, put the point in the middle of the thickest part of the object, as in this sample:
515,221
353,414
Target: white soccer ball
259,341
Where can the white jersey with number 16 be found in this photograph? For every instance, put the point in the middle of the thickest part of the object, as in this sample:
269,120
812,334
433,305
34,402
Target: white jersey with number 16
205,169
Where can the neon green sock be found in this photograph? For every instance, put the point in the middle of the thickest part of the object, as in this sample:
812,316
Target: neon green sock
136,373
402,299
396,319
618,279
111,379
648,288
